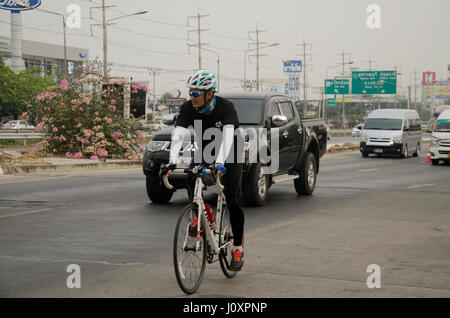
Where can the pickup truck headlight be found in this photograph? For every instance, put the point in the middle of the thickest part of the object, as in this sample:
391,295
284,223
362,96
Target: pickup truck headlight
154,146
398,140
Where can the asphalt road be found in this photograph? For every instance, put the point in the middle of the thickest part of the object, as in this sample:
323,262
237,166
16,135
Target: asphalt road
385,211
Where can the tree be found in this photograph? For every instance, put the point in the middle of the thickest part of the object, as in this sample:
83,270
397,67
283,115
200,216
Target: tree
164,97
18,90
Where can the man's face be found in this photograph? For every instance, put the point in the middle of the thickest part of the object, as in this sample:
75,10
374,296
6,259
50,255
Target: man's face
200,100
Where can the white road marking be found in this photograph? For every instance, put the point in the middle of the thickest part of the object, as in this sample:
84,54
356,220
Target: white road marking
420,185
25,213
368,170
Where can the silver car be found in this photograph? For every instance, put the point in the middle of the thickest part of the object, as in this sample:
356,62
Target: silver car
356,132
18,124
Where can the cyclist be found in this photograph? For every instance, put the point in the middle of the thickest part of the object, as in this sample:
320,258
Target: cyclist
213,112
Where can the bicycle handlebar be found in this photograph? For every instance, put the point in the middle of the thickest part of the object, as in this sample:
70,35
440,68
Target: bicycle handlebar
195,170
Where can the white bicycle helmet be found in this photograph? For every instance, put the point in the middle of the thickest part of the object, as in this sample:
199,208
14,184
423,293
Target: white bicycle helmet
203,79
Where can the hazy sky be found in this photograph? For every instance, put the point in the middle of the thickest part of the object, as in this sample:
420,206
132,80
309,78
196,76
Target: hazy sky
414,35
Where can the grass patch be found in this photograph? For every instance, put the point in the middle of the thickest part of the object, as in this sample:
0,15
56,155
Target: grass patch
14,143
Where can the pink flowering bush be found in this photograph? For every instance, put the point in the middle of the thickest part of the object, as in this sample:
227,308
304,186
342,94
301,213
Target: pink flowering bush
83,119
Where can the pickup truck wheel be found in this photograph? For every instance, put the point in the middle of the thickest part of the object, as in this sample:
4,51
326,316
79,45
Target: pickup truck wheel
157,192
306,183
256,188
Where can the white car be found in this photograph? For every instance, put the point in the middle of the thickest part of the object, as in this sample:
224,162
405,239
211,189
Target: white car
18,124
356,132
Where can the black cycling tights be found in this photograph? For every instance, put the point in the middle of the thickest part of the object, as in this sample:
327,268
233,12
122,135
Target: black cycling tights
232,182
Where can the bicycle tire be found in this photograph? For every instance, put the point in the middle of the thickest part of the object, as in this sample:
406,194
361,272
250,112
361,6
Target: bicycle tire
179,259
226,234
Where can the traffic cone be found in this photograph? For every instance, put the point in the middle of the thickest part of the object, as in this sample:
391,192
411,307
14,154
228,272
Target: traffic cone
428,156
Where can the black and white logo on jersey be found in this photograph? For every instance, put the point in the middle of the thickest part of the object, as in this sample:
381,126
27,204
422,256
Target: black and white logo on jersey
219,124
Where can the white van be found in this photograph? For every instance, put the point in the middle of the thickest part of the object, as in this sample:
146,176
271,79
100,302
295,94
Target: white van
392,131
440,138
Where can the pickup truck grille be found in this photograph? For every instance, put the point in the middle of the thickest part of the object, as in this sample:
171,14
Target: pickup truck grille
444,143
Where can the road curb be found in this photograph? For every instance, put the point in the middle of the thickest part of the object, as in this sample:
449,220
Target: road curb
18,170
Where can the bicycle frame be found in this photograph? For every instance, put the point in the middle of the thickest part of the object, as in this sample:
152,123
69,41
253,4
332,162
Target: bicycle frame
211,236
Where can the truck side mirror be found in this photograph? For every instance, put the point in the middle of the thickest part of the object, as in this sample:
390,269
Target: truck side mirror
279,120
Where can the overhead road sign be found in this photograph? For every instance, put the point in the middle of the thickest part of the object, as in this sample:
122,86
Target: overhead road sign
331,103
337,86
374,82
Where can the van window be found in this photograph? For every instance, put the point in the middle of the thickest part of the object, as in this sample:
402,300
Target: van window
383,124
442,125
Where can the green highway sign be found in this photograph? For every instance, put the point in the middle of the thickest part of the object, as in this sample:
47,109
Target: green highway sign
331,102
374,82
337,86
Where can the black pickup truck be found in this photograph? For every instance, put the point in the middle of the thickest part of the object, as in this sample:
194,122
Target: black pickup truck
302,142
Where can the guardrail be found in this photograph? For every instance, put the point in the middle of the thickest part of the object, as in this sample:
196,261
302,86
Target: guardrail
27,134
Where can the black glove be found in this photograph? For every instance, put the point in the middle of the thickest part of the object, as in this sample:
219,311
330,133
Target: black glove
166,168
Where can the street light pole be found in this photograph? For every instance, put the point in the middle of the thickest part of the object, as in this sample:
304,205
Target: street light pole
105,40
105,24
218,61
64,31
65,47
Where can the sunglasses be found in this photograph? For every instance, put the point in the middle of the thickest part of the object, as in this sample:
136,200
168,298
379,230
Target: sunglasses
196,94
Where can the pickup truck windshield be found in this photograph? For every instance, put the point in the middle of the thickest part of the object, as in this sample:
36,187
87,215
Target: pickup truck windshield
383,124
442,125
249,111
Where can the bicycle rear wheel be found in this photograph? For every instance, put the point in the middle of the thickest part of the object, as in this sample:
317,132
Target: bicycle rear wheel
226,235
189,263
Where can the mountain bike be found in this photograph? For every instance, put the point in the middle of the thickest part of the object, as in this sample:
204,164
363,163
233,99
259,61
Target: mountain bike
200,235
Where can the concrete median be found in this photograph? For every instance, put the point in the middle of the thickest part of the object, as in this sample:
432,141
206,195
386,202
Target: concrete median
15,163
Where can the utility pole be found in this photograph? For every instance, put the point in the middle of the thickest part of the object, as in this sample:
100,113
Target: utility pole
304,68
344,55
154,71
199,31
409,96
415,89
104,24
370,61
258,55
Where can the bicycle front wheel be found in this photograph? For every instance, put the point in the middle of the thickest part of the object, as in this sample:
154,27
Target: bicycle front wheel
226,236
189,263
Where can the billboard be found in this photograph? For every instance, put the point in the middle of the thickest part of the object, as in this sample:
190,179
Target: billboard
441,91
175,102
292,66
428,78
19,5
